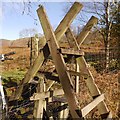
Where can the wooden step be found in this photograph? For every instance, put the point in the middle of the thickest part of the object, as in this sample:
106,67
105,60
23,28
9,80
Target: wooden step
71,52
77,73
92,105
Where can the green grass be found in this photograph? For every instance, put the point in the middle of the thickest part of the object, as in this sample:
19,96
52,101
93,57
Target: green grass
14,75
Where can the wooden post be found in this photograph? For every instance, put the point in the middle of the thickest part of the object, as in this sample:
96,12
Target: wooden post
34,49
64,113
39,104
77,79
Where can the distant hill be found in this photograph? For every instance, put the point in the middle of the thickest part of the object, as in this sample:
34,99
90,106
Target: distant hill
5,43
23,42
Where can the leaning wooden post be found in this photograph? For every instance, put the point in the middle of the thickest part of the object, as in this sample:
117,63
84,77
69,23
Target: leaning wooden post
73,44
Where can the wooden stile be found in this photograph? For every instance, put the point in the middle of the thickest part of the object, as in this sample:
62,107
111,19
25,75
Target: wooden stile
60,30
59,62
52,48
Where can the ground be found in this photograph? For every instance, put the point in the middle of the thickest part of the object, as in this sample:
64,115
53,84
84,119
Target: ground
13,72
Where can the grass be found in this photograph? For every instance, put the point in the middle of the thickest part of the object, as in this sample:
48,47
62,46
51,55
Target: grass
13,75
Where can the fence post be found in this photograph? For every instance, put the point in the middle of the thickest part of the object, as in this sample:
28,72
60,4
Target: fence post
34,49
39,104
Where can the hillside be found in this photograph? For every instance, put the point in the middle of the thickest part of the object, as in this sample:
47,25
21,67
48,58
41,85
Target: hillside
23,42
4,43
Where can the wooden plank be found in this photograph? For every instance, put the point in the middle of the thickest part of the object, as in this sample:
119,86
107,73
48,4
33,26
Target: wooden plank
38,108
78,73
92,105
48,94
34,49
50,85
74,73
86,30
59,63
71,39
77,79
71,52
61,29
67,20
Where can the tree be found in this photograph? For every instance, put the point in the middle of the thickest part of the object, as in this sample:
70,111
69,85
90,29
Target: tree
116,31
31,32
104,11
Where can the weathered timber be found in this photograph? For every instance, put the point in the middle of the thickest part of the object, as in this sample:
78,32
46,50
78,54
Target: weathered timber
48,94
61,29
92,105
71,39
83,66
59,63
86,30
67,20
34,49
77,79
77,53
84,69
73,43
38,108
50,85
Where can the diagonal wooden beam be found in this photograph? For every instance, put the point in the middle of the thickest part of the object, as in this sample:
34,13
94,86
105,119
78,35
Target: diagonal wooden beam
92,105
59,63
71,39
86,30
67,20
61,29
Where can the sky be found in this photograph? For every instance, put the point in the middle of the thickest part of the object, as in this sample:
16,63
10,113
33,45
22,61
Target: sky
13,21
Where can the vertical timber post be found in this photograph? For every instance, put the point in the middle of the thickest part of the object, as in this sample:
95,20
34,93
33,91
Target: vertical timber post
77,79
34,49
39,104
64,113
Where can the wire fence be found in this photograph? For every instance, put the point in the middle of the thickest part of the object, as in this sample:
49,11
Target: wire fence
97,59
